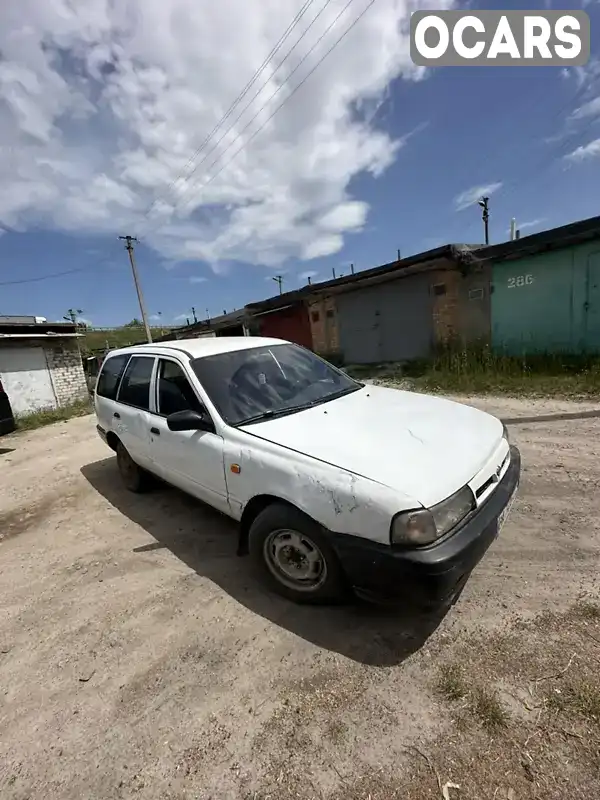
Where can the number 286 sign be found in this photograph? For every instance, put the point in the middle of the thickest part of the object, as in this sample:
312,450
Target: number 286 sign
520,280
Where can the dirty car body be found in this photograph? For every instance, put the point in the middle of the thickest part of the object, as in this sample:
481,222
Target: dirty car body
335,483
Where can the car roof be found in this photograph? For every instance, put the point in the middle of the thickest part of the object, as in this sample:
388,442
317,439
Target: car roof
201,347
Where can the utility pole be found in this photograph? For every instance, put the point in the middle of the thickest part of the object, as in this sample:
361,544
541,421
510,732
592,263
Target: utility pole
72,315
194,313
129,247
485,216
279,280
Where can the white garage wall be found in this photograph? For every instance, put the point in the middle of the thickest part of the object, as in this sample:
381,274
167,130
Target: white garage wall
26,379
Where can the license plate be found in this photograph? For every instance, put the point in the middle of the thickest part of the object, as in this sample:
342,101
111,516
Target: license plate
506,510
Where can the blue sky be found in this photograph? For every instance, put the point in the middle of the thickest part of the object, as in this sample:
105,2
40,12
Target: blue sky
96,142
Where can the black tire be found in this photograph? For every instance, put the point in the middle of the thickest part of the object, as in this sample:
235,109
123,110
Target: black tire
134,477
320,577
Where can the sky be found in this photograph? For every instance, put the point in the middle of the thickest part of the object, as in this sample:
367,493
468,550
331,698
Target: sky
248,139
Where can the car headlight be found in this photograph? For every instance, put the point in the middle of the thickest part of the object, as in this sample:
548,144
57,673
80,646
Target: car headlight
425,525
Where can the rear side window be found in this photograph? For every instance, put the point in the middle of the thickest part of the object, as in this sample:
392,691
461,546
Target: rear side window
135,386
108,382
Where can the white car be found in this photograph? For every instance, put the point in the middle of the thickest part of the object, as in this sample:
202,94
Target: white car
336,485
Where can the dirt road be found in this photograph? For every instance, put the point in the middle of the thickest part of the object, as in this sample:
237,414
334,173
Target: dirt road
138,657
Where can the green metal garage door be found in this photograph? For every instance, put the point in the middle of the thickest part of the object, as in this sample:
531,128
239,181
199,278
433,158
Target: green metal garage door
548,302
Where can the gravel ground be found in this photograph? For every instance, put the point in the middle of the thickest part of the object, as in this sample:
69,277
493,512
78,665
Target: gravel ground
138,657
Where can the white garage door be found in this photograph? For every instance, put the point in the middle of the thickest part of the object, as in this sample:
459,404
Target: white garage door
26,379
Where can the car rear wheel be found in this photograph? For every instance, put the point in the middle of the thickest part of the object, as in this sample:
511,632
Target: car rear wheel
134,477
292,555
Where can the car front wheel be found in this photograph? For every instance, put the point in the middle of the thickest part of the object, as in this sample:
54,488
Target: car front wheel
293,556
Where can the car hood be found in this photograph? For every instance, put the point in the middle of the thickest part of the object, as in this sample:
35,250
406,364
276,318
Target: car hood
420,445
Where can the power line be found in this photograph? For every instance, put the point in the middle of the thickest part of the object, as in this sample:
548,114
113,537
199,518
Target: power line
75,270
243,93
43,277
279,88
291,94
223,119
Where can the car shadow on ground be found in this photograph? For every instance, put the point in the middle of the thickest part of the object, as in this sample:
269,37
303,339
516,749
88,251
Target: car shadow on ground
207,542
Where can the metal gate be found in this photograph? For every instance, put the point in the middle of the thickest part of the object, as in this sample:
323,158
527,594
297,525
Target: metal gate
390,321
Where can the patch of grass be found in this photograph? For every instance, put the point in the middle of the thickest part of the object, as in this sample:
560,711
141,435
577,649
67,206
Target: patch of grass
488,708
483,703
579,698
95,340
483,371
451,682
38,419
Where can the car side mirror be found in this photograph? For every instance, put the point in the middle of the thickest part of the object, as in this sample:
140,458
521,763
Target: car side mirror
189,420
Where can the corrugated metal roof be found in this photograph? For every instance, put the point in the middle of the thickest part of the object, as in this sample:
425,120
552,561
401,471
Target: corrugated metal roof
450,251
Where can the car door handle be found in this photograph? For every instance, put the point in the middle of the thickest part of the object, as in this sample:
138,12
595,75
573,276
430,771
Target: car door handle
155,431
116,415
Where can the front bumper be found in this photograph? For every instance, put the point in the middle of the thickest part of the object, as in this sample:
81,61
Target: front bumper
428,576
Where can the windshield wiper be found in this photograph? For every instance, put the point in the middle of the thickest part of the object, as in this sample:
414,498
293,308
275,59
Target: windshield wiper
256,418
281,412
273,413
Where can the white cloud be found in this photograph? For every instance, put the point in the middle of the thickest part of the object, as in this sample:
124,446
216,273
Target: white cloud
103,104
534,223
472,195
310,273
155,317
198,279
185,317
587,110
590,150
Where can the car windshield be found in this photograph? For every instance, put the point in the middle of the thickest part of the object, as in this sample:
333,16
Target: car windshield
264,382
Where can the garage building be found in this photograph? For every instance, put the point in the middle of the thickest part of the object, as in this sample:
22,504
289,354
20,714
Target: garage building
40,363
546,291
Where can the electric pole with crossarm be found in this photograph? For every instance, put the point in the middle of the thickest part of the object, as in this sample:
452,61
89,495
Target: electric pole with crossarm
485,216
129,247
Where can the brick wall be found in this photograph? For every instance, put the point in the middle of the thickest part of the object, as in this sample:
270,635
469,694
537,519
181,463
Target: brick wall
445,289
461,306
323,323
66,372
